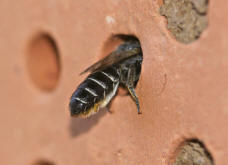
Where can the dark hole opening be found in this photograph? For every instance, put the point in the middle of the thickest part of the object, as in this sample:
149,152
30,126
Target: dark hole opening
43,162
111,45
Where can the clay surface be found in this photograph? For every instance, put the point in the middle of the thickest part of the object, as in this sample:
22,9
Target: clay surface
183,89
186,18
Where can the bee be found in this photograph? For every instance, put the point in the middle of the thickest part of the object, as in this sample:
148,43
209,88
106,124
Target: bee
120,67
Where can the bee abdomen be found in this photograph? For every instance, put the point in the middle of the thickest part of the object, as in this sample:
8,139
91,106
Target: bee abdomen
96,91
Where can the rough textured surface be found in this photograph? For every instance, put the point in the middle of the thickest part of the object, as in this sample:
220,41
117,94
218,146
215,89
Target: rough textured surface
186,18
183,89
193,153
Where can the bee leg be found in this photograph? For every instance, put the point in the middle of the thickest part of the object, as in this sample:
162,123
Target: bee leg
131,89
134,96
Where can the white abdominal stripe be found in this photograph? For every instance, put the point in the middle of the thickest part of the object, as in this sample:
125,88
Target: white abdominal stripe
109,76
91,91
80,100
108,98
98,82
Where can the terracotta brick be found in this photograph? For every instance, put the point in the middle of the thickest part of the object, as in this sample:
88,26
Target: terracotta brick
183,89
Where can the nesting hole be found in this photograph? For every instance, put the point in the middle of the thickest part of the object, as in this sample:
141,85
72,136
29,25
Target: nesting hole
43,62
114,41
192,152
111,45
186,19
43,162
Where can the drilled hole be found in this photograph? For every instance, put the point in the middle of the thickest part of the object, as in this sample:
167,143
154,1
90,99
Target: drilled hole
43,62
192,152
114,41
43,162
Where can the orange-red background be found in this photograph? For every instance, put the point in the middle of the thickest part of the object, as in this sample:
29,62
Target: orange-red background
191,102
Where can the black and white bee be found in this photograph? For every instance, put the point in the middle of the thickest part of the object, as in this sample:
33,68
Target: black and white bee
121,67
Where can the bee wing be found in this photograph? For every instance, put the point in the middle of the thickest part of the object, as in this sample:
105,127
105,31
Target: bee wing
112,58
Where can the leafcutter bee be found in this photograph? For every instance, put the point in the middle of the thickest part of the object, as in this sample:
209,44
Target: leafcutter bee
121,67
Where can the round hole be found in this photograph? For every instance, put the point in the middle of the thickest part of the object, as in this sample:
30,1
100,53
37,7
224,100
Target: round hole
114,41
192,152
43,62
43,162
